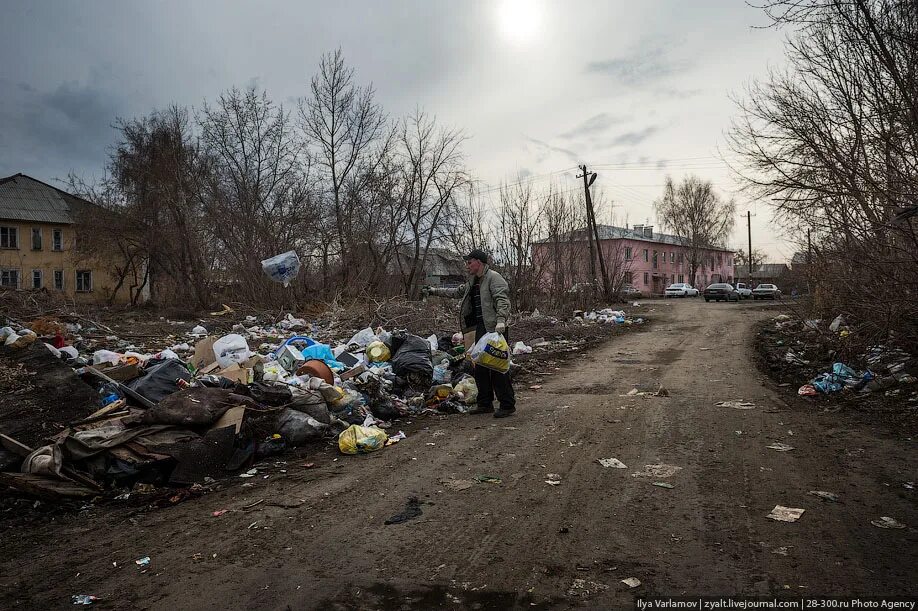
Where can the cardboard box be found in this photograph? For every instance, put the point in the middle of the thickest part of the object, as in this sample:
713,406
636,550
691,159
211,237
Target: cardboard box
204,352
234,372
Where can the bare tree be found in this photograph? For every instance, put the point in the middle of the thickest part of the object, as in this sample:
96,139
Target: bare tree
432,174
742,260
694,212
348,134
257,186
832,142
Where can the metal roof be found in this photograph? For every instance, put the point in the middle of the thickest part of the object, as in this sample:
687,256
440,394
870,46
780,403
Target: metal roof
23,198
610,232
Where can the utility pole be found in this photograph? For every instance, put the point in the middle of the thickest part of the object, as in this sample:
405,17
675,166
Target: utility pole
586,189
588,178
749,230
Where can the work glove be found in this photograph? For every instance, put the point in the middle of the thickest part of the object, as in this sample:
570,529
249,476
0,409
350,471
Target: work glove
500,328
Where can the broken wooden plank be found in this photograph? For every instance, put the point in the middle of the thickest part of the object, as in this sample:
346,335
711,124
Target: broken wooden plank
45,487
23,450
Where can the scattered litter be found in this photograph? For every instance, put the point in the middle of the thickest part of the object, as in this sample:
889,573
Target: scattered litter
535,387
521,348
631,582
736,404
457,485
781,551
634,392
219,512
412,510
143,561
309,465
785,514
584,588
887,522
780,447
612,462
807,390
553,479
487,479
663,485
661,470
249,473
83,599
826,496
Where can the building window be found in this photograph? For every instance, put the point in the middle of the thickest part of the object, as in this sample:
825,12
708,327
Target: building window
57,239
646,255
672,256
730,261
681,278
59,279
646,277
720,259
9,278
9,237
629,278
83,281
655,259
36,279
679,260
627,253
36,238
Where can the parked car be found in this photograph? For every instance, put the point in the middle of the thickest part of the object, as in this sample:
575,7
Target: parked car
721,291
744,290
680,289
766,291
630,291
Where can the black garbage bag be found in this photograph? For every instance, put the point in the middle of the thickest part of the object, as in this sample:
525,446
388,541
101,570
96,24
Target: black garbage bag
378,400
297,428
312,403
412,357
269,394
159,380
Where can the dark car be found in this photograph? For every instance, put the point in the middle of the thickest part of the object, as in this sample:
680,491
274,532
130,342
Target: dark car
721,291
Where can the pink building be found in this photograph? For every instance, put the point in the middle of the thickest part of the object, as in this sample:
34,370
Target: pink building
638,256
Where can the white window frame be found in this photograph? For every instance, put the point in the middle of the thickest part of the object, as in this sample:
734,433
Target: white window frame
58,273
41,279
57,244
10,271
13,232
77,281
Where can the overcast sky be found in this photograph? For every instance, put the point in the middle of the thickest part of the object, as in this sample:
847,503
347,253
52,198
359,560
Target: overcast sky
637,90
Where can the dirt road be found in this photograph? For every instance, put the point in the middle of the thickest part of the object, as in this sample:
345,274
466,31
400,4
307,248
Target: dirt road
318,539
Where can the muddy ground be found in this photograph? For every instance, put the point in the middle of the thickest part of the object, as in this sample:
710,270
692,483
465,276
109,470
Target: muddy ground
316,537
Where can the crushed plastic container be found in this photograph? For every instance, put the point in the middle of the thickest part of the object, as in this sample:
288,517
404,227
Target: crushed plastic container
283,267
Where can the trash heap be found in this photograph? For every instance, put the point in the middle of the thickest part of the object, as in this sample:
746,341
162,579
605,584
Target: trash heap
804,344
606,316
164,419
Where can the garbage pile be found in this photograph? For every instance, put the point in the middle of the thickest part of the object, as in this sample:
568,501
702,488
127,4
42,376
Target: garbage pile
606,316
230,400
804,344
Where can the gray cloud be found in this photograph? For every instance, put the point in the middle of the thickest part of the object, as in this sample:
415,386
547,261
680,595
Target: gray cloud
543,148
634,137
597,123
58,130
640,67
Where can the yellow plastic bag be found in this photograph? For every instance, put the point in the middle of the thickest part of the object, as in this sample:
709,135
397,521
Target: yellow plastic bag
357,439
378,352
493,352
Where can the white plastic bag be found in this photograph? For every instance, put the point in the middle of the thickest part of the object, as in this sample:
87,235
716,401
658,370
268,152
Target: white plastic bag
363,338
105,356
434,344
521,348
283,267
199,330
231,349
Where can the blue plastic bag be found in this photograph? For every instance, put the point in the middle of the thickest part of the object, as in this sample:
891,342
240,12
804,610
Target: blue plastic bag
323,353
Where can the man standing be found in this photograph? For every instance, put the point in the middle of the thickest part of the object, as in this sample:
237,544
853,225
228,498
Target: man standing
485,308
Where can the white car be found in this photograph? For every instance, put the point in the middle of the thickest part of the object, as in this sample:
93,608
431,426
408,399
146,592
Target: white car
745,291
680,289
